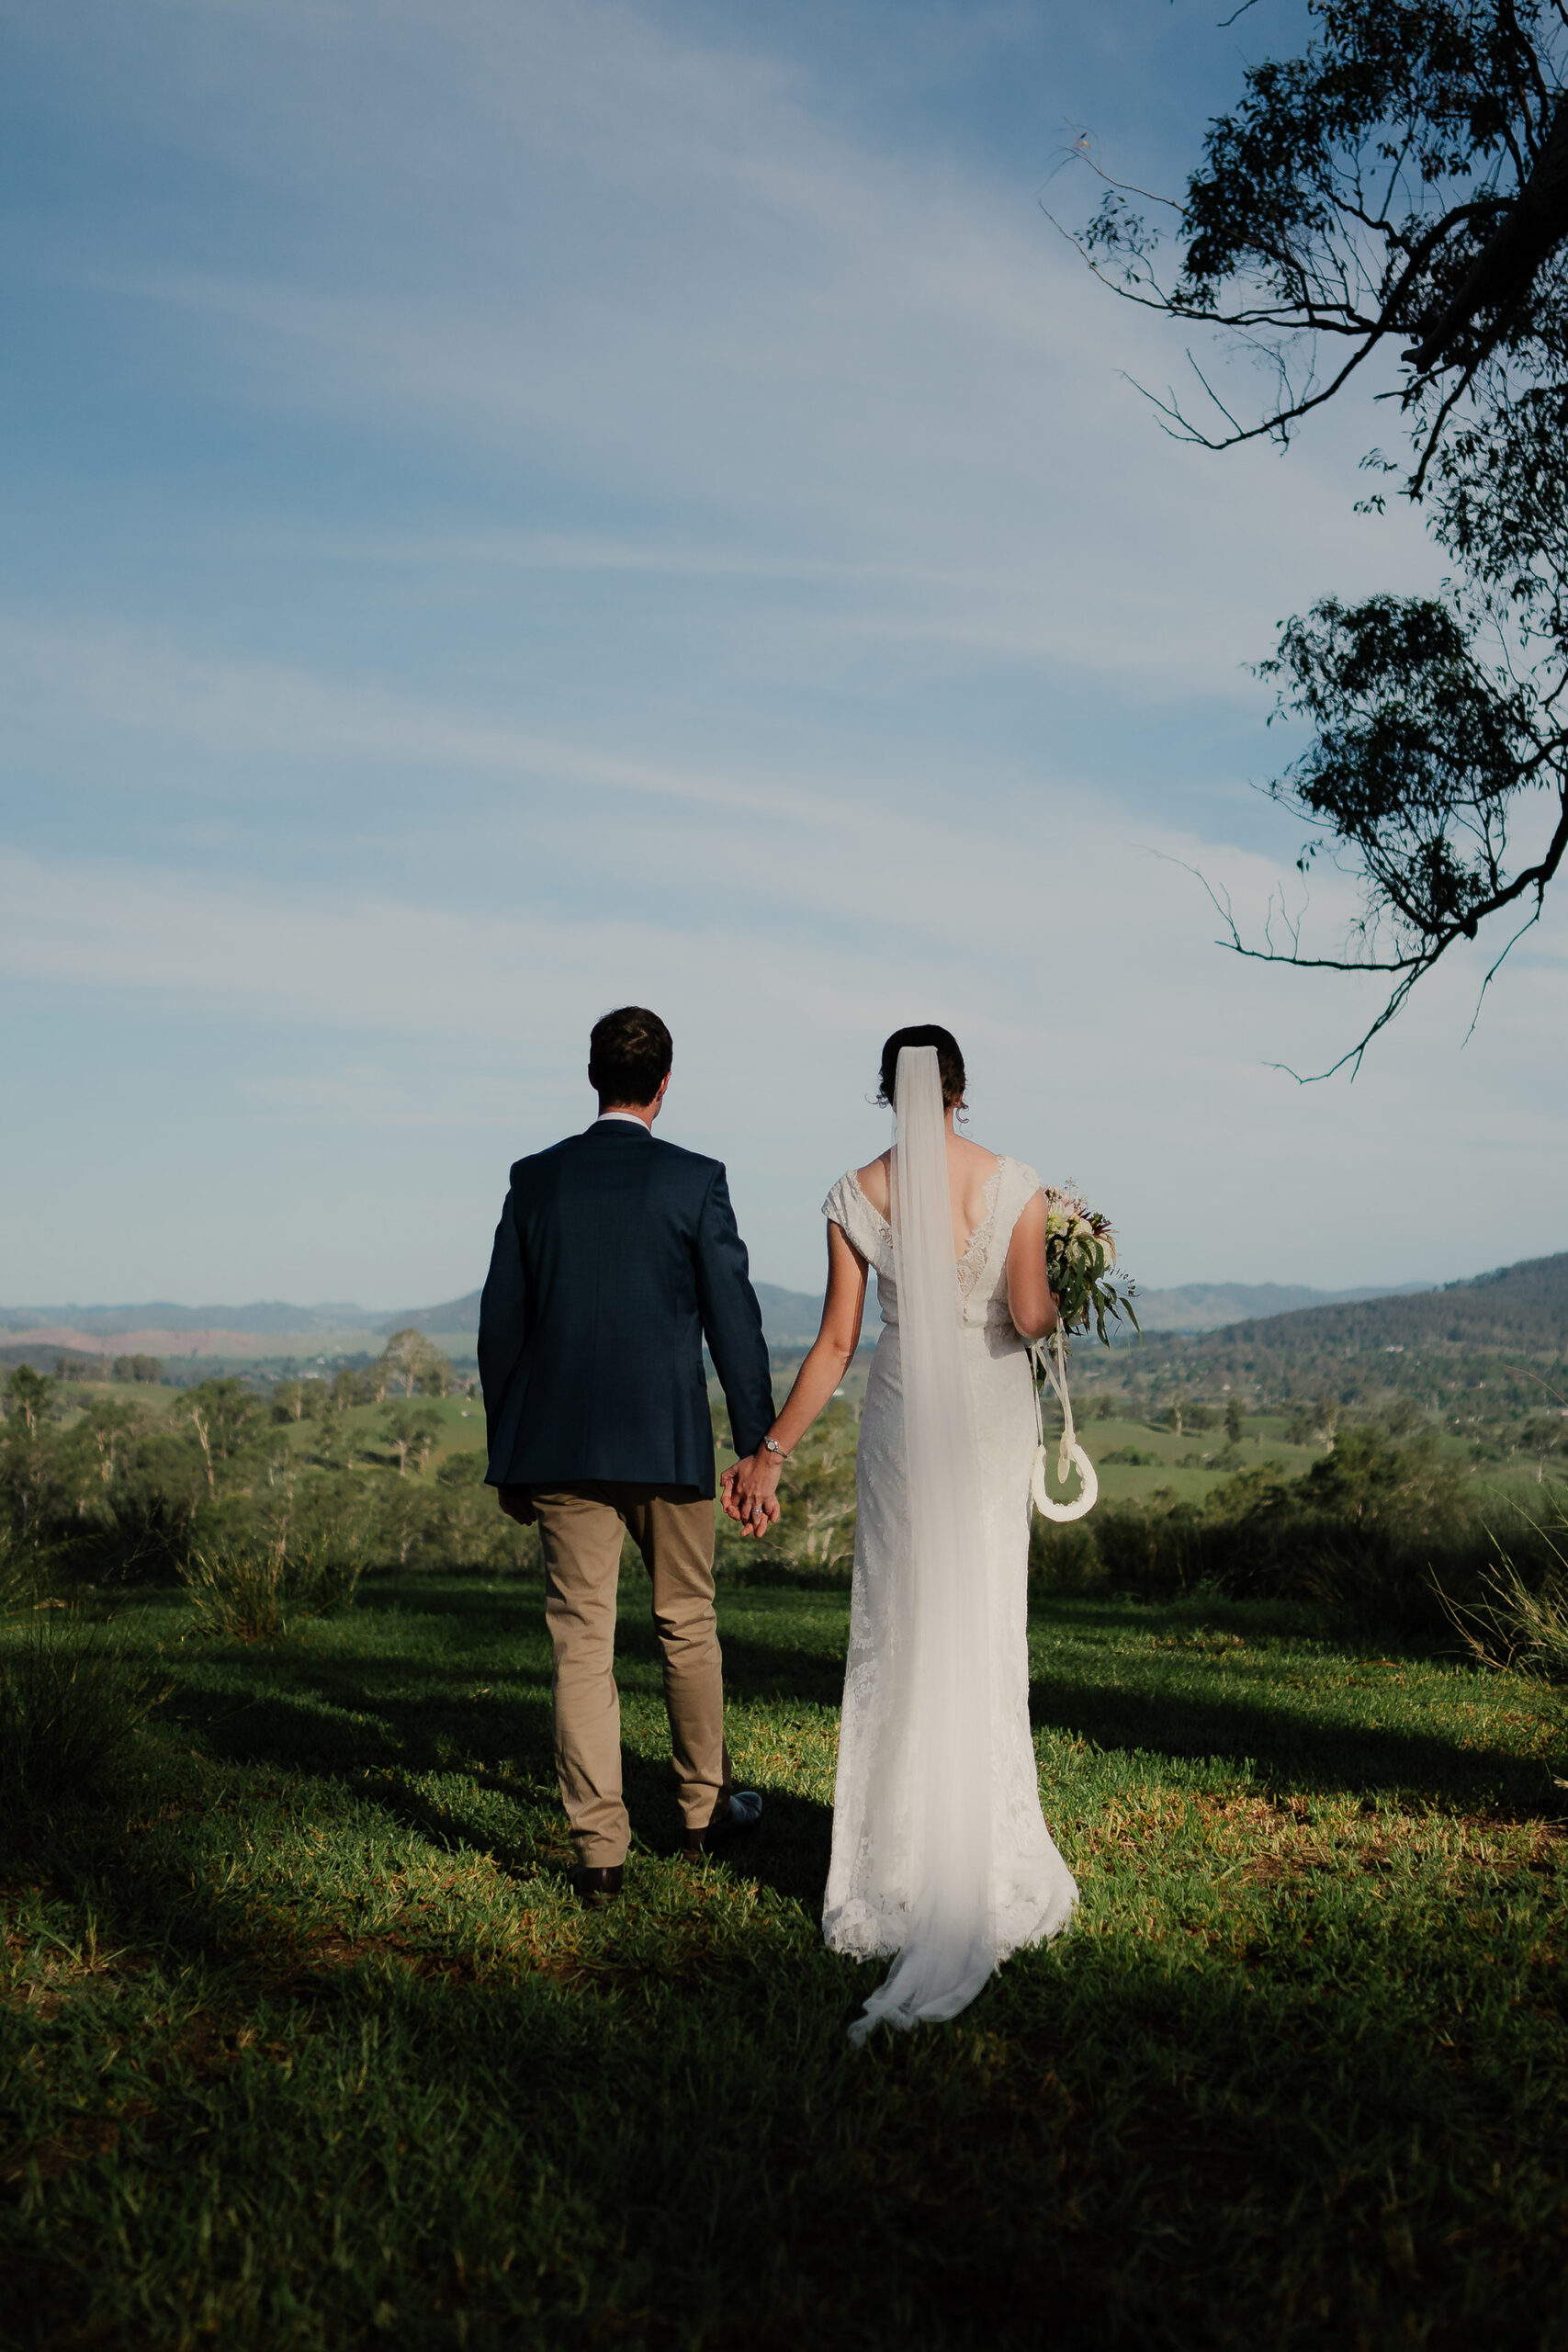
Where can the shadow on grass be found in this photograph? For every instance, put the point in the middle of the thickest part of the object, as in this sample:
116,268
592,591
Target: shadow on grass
1291,1753
704,2141
320,1710
1127,2142
337,1716
454,1828
465,1594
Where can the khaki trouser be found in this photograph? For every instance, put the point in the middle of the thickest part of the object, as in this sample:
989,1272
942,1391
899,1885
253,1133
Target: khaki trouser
581,1527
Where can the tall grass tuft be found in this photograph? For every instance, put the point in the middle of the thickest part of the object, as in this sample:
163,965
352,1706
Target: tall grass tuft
70,1705
1518,1623
251,1590
24,1574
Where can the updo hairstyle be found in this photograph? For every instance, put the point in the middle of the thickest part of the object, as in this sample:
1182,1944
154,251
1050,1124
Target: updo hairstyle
949,1061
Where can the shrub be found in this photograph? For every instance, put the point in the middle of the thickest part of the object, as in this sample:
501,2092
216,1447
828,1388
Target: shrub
1155,1547
443,1523
70,1705
816,1492
1067,1549
1365,1530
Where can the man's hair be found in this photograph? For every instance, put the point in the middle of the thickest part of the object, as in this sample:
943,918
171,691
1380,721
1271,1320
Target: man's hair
630,1053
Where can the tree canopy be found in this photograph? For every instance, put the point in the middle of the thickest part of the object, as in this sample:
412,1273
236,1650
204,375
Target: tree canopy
1399,192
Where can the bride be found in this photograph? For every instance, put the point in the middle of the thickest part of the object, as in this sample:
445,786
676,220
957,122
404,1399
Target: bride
940,1853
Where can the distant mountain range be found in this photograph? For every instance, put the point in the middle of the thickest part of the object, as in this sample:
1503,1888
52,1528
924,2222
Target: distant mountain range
264,1318
1481,1352
1523,1307
1208,1307
1495,1342
790,1317
272,1327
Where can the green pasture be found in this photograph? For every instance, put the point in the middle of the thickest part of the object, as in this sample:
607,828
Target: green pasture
461,1420
1189,1466
306,2043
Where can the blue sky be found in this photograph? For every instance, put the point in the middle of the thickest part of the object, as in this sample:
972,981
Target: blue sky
513,508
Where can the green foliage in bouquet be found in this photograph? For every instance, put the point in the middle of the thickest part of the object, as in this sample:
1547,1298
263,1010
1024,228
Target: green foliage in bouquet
1080,1252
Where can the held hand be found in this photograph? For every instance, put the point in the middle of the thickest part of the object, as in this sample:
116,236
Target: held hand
518,1503
751,1492
755,1508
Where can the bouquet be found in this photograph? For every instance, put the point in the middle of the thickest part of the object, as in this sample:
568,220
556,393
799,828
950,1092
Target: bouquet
1081,1251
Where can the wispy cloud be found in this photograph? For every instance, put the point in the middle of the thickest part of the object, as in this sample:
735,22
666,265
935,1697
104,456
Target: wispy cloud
855,367
65,682
560,513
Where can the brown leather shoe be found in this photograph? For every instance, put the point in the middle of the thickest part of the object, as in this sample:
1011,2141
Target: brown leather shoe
594,1888
739,1814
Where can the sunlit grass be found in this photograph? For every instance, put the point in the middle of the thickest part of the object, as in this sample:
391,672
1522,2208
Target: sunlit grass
309,2045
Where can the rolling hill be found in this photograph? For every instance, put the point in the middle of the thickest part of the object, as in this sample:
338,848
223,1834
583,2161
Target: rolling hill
1272,1336
269,1318
790,1316
1516,1307
1499,1334
1208,1307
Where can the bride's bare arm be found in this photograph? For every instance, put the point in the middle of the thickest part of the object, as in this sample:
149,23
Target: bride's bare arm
833,1349
832,1352
1029,1301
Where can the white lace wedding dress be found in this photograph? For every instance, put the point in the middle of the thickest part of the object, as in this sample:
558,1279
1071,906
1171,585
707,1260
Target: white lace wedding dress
874,1883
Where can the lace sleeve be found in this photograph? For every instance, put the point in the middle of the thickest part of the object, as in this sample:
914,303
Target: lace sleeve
847,1207
1020,1185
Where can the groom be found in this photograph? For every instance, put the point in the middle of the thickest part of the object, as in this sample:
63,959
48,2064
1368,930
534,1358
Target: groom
616,1256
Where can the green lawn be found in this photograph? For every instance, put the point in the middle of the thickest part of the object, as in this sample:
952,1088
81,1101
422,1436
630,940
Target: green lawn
307,2044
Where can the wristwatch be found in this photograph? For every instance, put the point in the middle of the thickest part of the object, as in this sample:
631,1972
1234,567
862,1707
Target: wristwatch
771,1445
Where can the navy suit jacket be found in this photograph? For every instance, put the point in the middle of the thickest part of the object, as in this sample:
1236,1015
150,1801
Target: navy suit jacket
615,1255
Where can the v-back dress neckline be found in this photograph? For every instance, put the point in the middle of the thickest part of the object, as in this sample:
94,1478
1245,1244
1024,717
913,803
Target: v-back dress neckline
972,1257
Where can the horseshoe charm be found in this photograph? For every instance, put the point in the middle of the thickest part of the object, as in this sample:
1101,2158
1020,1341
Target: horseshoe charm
1053,1362
1082,1502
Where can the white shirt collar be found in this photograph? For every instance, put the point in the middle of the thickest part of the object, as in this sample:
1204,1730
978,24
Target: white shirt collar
623,1114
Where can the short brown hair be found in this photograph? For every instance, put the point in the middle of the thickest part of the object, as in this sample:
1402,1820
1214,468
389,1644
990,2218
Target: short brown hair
629,1054
949,1060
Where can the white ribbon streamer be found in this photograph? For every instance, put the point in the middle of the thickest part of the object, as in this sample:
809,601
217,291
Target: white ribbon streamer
1070,1454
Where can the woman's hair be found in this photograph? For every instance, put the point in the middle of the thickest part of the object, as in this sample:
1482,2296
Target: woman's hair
949,1061
630,1053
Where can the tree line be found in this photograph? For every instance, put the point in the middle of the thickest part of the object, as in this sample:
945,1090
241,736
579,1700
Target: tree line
110,1487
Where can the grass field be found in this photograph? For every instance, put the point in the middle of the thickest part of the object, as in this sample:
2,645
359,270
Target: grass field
307,2044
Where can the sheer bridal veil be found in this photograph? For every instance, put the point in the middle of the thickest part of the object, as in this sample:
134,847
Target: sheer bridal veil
938,1729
